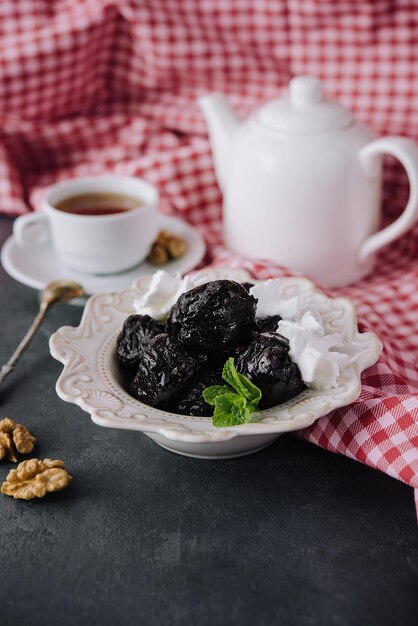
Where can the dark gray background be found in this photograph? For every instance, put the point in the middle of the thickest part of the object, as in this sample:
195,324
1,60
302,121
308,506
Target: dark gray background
290,535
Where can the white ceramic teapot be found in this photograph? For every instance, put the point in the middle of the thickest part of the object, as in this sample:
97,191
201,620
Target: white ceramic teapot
301,182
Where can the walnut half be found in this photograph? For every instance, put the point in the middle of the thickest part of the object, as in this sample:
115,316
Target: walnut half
14,437
7,448
35,478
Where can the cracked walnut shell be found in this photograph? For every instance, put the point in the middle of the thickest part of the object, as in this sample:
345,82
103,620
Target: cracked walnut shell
35,478
14,437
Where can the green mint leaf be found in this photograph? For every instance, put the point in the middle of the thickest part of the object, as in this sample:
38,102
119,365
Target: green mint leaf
240,383
252,392
230,375
231,409
211,393
235,402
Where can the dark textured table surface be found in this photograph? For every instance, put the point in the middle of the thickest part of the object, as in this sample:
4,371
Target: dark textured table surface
290,535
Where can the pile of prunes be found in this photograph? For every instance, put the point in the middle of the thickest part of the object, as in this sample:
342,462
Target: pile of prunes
169,365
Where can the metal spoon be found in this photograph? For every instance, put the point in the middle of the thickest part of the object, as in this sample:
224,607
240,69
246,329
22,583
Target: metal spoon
58,291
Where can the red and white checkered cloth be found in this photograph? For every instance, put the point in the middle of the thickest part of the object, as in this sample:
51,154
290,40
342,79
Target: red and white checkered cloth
94,85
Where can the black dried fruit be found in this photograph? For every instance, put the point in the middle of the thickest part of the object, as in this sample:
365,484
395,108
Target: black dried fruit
213,318
191,401
137,332
267,364
268,324
247,286
164,369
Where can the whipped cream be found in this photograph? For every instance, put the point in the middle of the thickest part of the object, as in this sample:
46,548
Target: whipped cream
164,291
270,303
320,355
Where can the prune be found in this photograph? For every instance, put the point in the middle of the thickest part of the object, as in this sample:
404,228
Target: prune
191,401
213,318
164,369
137,332
247,286
267,364
268,324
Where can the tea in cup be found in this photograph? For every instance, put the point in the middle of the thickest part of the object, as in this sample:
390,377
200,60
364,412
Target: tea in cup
97,225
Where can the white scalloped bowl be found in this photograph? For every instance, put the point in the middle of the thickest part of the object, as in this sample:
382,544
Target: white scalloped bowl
90,377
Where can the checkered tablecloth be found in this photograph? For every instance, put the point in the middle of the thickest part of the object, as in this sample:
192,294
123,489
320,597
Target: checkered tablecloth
88,86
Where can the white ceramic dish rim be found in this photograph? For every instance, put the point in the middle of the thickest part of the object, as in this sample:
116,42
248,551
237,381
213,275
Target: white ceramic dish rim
89,377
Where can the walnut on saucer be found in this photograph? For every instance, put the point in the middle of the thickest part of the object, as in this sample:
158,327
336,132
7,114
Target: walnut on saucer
166,247
35,478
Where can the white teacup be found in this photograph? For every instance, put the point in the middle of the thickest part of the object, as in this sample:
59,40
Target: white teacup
94,244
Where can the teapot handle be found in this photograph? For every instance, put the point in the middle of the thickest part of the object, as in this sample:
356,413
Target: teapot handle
406,151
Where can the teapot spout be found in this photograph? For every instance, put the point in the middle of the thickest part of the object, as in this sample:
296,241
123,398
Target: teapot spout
222,124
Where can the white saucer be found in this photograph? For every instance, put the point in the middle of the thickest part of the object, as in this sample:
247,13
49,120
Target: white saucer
37,269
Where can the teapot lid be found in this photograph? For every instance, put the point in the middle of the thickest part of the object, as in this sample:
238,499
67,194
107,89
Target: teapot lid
304,110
